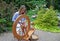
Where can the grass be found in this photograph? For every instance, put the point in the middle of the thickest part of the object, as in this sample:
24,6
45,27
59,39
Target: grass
49,29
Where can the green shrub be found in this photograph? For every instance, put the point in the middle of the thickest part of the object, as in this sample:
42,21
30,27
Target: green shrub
46,18
32,12
5,16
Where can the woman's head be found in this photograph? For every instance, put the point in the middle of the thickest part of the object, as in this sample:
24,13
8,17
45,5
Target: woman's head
22,9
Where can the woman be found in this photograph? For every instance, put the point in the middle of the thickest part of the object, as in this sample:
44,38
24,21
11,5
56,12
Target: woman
21,11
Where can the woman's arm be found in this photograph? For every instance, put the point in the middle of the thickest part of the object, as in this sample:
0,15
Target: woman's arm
15,16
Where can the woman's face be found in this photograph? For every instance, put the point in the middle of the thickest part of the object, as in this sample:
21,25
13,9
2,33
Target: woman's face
23,11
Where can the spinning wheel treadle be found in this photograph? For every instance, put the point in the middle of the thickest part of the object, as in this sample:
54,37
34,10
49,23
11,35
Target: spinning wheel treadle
26,30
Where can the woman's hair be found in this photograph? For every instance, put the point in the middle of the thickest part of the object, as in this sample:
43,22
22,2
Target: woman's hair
22,7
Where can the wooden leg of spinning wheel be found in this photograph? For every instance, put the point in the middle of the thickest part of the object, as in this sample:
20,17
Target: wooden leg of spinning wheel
29,39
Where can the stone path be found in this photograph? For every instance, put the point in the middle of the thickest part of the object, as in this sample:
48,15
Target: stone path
43,36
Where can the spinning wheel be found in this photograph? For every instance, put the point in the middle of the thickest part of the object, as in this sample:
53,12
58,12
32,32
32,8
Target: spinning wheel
21,28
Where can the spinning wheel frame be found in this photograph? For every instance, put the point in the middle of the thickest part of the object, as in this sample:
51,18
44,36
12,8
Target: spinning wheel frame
14,27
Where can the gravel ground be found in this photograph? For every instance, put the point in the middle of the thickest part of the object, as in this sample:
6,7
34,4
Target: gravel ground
43,36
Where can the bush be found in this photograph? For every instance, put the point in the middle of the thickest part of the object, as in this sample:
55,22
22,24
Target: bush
46,18
32,12
5,16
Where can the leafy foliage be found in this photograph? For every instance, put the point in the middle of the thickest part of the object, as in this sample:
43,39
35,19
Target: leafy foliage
54,3
8,7
46,19
32,12
57,4
29,3
5,16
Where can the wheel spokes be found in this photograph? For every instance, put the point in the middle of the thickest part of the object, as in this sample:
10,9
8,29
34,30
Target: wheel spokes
22,27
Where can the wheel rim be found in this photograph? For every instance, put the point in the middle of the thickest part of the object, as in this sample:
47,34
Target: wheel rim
15,24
